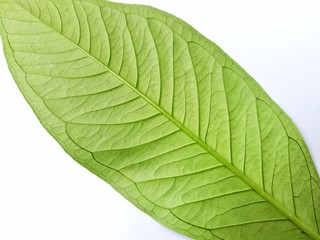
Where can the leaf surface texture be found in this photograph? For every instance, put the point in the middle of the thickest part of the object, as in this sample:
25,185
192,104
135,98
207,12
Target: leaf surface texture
162,114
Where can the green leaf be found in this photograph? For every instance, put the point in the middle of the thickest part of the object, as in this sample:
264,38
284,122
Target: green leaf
162,114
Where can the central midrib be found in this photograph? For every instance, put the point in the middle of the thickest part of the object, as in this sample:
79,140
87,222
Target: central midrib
197,140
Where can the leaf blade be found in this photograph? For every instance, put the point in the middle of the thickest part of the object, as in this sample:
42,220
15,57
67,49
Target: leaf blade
179,118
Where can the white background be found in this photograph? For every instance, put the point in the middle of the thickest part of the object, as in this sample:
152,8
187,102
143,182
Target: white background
45,195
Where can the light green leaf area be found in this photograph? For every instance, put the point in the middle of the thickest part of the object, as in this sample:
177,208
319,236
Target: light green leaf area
162,114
